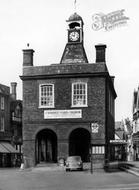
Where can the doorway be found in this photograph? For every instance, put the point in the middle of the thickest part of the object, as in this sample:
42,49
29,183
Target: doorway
79,143
46,146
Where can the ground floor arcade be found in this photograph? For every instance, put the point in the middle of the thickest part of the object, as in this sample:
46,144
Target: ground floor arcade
50,145
48,148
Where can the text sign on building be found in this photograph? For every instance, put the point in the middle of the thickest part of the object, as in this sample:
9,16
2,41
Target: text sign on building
62,114
118,141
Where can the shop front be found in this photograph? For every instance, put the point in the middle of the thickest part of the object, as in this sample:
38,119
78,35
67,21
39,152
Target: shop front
118,150
135,139
9,156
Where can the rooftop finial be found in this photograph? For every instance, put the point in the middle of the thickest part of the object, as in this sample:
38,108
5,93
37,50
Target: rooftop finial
75,5
27,44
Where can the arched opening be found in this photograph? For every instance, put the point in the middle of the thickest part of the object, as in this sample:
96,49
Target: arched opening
79,143
74,25
46,146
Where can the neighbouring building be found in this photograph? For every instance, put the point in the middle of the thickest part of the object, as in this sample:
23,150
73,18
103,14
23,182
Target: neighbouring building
16,118
119,144
135,136
8,152
129,132
122,144
68,107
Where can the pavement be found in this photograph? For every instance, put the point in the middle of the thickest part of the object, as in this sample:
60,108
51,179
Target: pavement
130,167
42,179
56,178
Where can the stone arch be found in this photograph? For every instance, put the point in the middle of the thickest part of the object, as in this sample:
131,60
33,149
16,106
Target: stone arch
79,143
46,146
74,127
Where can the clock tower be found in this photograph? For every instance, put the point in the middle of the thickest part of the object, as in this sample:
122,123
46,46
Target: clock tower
75,29
74,51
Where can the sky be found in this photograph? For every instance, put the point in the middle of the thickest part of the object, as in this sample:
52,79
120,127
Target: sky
42,24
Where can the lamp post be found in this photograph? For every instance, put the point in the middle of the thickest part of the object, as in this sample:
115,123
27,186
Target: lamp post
91,160
93,129
91,157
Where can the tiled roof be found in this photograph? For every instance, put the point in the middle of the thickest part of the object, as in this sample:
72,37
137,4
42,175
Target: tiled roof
15,103
119,125
120,134
75,17
4,89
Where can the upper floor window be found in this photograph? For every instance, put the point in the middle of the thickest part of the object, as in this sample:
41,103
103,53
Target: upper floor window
46,98
2,124
2,103
111,103
79,94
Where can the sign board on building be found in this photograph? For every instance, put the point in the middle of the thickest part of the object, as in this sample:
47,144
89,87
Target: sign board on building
62,114
118,141
94,127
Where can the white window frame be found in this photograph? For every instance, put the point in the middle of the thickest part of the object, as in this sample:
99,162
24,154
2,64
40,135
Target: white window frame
53,95
98,150
86,94
2,124
2,103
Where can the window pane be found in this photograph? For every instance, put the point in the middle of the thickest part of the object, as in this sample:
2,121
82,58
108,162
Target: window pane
96,149
2,124
2,103
47,95
93,150
79,94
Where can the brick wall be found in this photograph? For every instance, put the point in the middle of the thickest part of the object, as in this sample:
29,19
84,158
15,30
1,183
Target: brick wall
62,78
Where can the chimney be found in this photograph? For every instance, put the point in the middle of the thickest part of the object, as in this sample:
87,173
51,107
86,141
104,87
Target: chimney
13,90
28,56
100,53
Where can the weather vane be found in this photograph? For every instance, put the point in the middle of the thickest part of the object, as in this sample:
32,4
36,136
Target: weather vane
75,5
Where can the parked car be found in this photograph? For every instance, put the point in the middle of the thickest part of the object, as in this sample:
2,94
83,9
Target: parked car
74,163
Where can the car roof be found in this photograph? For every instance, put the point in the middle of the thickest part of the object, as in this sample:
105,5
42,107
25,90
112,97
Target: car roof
73,157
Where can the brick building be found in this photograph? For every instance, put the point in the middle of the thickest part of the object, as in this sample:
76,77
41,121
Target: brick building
135,135
5,113
7,150
16,118
68,108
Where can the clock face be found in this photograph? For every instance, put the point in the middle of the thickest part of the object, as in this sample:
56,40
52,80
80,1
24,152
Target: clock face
74,36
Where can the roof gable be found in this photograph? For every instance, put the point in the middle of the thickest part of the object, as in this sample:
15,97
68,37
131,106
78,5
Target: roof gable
4,89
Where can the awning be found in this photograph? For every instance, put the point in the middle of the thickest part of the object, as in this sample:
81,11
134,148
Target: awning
6,147
2,149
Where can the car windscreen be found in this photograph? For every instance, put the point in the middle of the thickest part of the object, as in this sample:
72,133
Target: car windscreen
71,159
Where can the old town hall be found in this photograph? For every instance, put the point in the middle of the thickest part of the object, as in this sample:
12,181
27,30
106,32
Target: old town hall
68,107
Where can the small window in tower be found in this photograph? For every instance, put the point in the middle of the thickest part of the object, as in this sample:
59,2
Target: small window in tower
74,25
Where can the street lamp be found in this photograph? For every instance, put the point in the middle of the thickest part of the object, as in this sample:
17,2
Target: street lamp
91,159
93,129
